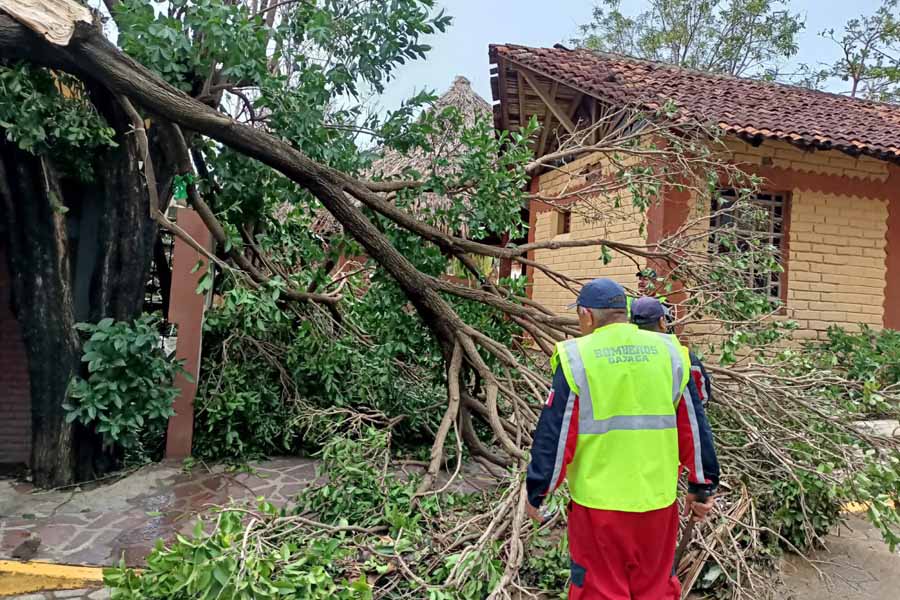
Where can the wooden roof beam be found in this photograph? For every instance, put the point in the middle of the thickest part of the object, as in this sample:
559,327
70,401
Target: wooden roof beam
523,117
548,120
549,100
504,101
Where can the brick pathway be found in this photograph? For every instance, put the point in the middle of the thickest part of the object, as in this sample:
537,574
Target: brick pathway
124,519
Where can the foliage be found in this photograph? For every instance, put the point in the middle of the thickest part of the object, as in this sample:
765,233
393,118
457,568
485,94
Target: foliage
735,37
130,386
266,375
48,113
270,553
215,566
870,54
869,355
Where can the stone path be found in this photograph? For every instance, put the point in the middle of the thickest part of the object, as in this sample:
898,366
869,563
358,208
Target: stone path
100,526
124,519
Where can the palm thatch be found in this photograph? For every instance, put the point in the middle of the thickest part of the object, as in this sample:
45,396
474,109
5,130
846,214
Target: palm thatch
445,145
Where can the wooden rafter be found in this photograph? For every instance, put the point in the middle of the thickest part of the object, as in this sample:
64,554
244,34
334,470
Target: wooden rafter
548,121
549,100
523,117
576,102
504,101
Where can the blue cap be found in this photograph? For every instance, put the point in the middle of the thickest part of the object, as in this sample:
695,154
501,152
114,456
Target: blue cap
601,293
647,309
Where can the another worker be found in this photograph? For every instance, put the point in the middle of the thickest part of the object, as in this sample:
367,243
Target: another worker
646,281
652,315
613,427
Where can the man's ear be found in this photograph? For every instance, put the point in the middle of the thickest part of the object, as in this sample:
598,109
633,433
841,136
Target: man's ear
663,326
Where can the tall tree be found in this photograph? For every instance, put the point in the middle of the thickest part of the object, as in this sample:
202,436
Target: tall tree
870,55
85,178
734,37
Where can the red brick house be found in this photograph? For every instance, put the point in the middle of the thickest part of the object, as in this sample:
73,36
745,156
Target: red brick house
830,163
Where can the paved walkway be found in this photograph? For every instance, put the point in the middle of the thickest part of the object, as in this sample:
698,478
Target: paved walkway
100,526
70,594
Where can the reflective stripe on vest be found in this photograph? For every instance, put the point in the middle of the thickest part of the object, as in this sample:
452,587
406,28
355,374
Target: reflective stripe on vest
627,384
587,424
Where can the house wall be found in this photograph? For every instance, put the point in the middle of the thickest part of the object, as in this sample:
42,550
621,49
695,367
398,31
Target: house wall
838,245
621,224
837,236
15,394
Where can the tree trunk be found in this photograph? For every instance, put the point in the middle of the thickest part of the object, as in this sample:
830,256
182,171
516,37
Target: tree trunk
126,234
44,305
78,252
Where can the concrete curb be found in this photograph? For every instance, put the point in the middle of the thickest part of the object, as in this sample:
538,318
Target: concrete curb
26,577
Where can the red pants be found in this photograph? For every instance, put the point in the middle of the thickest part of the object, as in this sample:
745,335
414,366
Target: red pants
621,555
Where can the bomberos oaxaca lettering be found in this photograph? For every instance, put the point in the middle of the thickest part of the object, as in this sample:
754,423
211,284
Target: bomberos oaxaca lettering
627,353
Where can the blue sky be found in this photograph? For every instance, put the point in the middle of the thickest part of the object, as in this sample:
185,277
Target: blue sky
462,50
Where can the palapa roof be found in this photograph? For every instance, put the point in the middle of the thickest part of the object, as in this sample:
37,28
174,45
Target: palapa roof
393,163
748,108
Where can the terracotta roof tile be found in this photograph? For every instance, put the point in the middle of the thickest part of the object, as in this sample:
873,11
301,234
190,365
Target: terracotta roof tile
745,107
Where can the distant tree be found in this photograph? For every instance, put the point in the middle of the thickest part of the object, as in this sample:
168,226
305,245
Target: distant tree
735,37
870,61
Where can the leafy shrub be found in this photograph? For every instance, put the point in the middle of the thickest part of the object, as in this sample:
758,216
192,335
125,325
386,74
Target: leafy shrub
217,566
130,384
267,372
360,489
867,355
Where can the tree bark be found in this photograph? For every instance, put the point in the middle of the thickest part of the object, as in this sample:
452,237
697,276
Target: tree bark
44,305
57,283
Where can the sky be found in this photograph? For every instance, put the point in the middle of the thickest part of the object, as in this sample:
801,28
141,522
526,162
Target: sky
463,49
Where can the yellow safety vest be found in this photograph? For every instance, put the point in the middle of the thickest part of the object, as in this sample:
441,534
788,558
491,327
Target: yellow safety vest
628,382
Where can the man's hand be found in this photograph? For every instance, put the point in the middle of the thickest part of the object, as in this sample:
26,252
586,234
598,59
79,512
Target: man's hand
534,512
699,509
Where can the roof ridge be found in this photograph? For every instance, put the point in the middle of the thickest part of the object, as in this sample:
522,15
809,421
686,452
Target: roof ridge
709,74
744,106
729,77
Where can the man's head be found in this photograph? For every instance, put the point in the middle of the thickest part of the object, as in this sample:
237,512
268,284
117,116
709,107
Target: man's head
649,313
601,302
646,278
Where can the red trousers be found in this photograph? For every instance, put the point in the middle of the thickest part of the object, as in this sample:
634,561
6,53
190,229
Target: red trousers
621,555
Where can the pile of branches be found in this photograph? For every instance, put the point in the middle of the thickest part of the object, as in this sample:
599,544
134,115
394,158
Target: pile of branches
772,424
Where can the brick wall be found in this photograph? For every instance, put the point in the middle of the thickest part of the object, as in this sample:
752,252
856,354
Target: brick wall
620,223
836,268
837,252
784,156
15,398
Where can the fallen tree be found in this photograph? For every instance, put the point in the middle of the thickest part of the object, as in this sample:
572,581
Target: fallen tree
771,419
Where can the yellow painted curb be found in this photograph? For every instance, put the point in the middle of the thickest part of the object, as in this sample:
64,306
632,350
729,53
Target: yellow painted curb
859,507
27,577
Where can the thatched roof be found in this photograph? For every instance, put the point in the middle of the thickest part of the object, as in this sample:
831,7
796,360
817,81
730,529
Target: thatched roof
393,163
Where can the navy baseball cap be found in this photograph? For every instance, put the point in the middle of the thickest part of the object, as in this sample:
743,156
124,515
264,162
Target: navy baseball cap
647,309
601,293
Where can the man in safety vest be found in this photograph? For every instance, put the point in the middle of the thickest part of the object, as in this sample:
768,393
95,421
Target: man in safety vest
651,314
613,428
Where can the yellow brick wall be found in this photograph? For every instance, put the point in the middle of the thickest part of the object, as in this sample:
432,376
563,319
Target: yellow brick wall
619,223
783,155
836,268
836,265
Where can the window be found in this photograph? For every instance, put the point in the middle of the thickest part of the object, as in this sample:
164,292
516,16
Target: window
764,220
563,221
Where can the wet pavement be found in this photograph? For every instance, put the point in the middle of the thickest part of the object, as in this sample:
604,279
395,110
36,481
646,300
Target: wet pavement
69,594
123,520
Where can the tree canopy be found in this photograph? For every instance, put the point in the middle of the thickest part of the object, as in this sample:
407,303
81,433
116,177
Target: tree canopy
734,37
251,113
